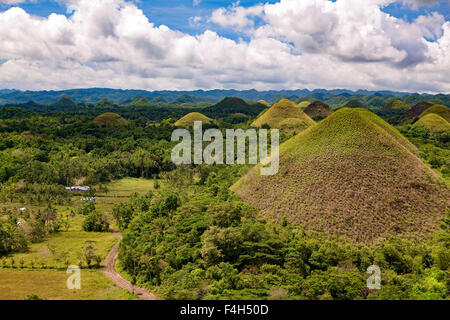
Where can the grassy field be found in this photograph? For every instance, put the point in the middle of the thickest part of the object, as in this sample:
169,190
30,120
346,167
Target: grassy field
41,270
58,248
51,285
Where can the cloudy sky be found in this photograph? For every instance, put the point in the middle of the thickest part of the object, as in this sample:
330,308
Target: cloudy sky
399,45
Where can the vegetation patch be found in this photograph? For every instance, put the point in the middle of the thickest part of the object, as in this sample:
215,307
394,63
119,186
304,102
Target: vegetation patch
438,109
110,119
281,115
351,175
189,119
433,122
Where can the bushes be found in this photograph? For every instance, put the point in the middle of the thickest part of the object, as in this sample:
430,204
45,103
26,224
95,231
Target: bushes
95,222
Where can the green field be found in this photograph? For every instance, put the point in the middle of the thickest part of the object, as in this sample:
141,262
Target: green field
51,285
41,270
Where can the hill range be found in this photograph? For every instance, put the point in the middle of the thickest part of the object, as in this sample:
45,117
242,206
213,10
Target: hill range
118,96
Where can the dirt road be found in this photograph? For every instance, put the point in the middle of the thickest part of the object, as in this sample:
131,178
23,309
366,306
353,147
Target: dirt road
110,271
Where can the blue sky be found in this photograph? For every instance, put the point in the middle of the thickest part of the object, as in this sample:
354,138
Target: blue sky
176,14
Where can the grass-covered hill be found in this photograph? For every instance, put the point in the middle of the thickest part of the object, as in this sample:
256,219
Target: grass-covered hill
318,109
64,103
351,175
140,102
232,105
264,102
189,119
433,123
395,105
284,115
354,103
110,119
417,110
438,109
303,105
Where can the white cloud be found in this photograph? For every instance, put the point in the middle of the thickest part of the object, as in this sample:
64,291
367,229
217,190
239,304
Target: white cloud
312,43
236,16
12,1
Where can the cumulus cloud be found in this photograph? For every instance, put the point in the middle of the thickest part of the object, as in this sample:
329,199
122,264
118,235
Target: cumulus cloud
236,16
309,43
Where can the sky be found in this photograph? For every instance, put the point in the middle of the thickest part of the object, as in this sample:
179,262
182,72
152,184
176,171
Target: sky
399,45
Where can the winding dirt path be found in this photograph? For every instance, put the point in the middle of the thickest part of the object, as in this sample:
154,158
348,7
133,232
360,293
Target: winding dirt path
110,271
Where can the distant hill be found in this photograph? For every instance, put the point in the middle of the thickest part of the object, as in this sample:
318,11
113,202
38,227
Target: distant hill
110,119
232,105
185,98
118,96
189,119
140,102
64,103
351,175
438,109
396,105
302,105
354,103
284,115
417,110
433,122
264,103
105,103
318,110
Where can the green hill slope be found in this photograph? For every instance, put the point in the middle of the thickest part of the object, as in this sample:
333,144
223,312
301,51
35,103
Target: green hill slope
284,115
110,119
438,109
189,119
433,122
229,106
395,105
351,175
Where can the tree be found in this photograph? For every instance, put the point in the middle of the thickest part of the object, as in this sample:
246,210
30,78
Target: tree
96,222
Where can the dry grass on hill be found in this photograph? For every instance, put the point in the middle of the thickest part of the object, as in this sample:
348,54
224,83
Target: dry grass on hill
351,175
318,109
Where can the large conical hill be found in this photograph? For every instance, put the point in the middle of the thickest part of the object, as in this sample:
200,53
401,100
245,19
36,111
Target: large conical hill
351,175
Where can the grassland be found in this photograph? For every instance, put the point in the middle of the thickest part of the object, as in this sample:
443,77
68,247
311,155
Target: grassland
351,175
51,285
41,270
